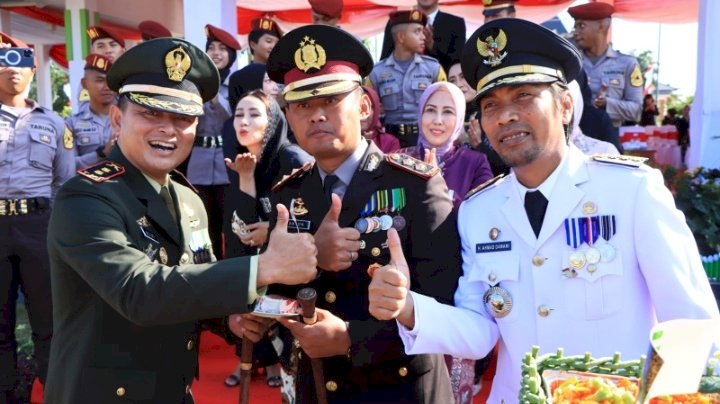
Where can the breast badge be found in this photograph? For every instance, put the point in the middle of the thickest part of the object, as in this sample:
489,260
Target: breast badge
498,302
297,207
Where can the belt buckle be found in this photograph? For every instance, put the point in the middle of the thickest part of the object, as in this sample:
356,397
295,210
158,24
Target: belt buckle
12,208
401,129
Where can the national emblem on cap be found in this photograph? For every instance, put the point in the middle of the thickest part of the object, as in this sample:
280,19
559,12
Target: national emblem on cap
491,48
317,61
178,63
512,51
166,74
310,55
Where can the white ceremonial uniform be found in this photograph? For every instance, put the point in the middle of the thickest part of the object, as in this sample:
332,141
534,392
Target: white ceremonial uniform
656,274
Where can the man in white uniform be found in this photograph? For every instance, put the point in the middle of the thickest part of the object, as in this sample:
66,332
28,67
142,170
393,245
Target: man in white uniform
581,252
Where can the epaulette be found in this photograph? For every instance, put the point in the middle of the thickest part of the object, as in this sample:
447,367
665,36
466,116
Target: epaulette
482,187
296,173
180,178
412,165
102,171
619,159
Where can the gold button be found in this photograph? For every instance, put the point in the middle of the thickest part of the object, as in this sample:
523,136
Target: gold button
331,386
589,208
492,277
190,345
403,371
187,389
543,311
330,297
185,258
375,251
120,391
538,260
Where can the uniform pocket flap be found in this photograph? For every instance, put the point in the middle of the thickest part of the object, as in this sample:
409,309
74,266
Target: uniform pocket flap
48,139
496,267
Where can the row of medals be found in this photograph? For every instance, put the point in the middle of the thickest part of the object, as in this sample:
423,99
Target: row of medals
372,224
589,259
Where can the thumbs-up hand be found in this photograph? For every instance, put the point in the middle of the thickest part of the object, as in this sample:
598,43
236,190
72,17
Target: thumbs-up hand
290,258
388,290
337,246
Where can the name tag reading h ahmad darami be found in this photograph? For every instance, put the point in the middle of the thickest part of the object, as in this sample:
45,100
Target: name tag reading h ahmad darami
492,247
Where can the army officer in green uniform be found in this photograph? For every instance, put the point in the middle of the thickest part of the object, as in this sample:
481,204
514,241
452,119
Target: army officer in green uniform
129,246
363,359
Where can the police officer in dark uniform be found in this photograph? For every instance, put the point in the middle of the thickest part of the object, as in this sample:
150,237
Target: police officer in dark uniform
362,359
36,157
130,250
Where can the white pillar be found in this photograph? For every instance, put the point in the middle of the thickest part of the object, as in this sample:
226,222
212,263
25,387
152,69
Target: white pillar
197,13
77,9
43,82
705,114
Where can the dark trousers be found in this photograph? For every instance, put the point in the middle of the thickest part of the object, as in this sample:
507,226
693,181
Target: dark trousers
24,263
213,197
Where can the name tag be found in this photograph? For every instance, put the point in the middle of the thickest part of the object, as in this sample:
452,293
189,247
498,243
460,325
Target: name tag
492,247
299,225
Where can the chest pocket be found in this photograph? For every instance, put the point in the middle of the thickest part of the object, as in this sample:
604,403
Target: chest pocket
42,149
390,96
500,269
616,84
89,138
594,295
4,139
419,85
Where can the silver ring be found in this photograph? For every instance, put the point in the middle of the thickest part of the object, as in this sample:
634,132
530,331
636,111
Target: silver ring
353,255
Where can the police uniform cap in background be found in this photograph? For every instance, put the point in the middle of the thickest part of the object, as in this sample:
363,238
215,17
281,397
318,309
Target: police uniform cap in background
166,74
152,29
317,61
98,63
510,51
493,7
97,32
266,24
407,17
214,33
591,11
328,8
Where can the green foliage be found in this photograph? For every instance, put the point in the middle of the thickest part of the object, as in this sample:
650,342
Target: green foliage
673,101
58,77
697,195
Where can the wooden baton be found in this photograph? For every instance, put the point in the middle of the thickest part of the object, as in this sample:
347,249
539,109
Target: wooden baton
245,369
307,297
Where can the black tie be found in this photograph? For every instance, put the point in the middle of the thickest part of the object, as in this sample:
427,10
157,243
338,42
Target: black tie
167,198
328,185
535,206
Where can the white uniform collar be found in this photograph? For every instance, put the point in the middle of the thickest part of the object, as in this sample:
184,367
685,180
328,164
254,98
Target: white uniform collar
547,187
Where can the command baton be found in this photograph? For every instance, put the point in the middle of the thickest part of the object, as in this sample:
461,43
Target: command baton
245,369
307,297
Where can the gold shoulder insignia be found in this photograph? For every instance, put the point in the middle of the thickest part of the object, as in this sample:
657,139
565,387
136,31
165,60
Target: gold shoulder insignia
483,186
412,165
102,171
636,77
296,173
621,160
68,142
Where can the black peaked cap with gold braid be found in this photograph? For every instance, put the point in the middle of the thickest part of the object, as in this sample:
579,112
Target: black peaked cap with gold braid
166,74
318,61
511,51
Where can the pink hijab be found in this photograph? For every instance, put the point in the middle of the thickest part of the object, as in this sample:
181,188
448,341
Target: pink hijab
459,100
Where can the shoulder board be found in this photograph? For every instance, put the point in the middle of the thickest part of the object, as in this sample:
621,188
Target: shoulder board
102,171
296,173
621,160
412,165
181,179
485,185
429,58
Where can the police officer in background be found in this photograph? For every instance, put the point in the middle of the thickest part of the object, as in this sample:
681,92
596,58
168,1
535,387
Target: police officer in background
36,157
90,126
494,9
150,29
401,78
348,201
615,79
326,12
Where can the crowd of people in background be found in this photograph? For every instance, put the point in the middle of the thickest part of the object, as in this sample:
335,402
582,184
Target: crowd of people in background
416,103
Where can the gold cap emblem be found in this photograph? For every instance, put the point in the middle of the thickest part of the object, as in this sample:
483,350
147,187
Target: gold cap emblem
415,16
266,25
492,48
310,55
178,64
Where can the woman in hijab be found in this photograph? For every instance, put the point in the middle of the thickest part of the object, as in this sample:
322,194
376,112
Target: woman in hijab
259,156
373,130
442,113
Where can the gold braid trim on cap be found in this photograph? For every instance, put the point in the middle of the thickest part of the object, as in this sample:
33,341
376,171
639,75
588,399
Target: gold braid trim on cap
519,69
171,106
322,79
151,89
